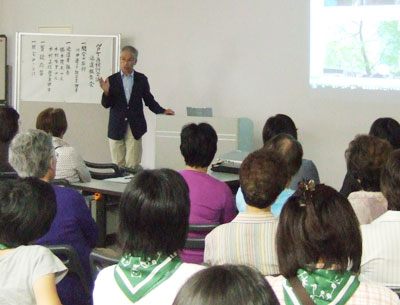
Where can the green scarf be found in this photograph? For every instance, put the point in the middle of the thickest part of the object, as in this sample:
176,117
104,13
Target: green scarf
323,286
137,276
3,247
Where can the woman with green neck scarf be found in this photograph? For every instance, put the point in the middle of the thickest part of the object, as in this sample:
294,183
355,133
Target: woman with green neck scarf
319,252
153,225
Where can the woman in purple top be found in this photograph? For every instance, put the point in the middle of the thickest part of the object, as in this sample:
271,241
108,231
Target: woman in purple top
73,225
32,155
211,201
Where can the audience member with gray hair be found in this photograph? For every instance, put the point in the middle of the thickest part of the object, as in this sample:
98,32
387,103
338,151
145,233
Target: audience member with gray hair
32,155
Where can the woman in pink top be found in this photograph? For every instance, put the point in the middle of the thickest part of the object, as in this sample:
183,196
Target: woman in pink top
211,200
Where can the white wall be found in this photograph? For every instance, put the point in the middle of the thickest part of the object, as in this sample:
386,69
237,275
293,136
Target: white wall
243,58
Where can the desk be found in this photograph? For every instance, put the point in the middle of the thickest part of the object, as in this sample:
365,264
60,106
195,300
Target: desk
224,177
232,180
113,191
110,191
101,186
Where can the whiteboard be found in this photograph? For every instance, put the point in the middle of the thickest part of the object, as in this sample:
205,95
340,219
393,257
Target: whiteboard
63,67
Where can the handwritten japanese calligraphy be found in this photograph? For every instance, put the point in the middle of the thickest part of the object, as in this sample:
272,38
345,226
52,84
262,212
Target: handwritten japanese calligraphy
63,68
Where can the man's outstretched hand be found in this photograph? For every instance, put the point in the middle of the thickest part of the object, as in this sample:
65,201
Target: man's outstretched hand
169,112
105,85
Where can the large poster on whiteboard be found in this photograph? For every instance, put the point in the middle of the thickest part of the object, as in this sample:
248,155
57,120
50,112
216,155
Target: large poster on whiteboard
64,68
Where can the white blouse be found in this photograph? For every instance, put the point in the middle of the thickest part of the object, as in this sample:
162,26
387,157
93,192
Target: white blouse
69,163
106,291
368,205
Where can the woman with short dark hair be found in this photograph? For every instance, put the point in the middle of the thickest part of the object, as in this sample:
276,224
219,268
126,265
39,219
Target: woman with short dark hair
28,273
226,284
319,249
282,123
70,164
8,129
211,201
153,225
387,129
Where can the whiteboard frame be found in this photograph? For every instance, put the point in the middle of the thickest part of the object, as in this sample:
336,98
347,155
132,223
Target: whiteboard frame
3,78
18,39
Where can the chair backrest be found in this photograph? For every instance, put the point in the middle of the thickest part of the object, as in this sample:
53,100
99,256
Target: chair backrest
198,243
70,258
8,175
194,111
99,259
62,182
108,170
131,171
396,290
14,175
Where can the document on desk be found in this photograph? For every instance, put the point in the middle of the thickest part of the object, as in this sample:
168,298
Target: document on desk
124,179
229,162
235,156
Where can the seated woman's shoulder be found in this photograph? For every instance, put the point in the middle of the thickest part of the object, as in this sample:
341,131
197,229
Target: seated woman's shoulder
374,294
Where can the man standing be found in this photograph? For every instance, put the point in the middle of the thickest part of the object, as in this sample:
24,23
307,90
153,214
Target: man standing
123,93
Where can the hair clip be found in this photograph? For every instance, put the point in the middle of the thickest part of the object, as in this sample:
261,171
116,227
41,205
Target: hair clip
307,185
310,185
306,188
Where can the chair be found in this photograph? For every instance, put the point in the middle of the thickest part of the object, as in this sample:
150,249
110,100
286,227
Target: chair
113,170
198,243
62,182
396,290
205,112
70,258
99,259
14,175
131,171
8,175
